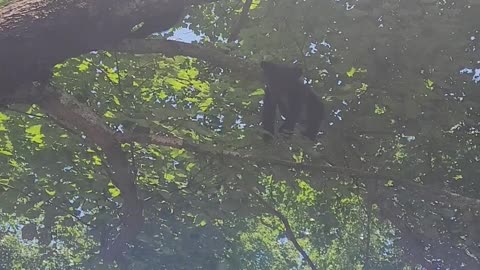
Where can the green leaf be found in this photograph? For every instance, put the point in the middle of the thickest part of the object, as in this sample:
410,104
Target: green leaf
188,74
168,177
6,153
96,160
203,87
34,130
162,95
257,92
429,84
84,66
35,134
351,72
191,99
3,117
389,183
50,192
4,182
14,163
363,89
206,104
116,100
458,177
380,109
113,77
177,152
190,166
299,158
109,114
177,85
114,191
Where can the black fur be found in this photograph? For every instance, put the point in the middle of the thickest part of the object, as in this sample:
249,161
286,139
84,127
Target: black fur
296,101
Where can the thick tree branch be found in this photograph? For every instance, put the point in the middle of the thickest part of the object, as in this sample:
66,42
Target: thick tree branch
429,192
239,68
37,34
73,115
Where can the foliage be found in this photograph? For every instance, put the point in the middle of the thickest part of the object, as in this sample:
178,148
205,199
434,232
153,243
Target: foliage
391,111
4,2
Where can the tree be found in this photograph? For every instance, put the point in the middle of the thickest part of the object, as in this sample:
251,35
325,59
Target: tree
147,149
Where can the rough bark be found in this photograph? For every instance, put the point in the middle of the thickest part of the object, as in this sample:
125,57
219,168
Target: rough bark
37,34
71,114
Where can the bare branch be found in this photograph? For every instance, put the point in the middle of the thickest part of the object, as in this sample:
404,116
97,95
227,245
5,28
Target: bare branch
288,229
240,68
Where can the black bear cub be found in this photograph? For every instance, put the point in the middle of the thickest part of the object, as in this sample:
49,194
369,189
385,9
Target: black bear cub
296,101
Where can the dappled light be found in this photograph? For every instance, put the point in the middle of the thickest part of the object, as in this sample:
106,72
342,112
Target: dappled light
239,134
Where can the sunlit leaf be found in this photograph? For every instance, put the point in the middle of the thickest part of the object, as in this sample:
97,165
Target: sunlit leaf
205,105
50,192
298,157
3,117
96,160
6,153
35,134
168,177
429,84
177,152
190,166
162,95
84,66
175,84
114,191
351,72
109,114
257,92
116,100
380,109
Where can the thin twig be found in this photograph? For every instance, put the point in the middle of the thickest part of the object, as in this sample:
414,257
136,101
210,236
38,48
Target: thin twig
288,229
